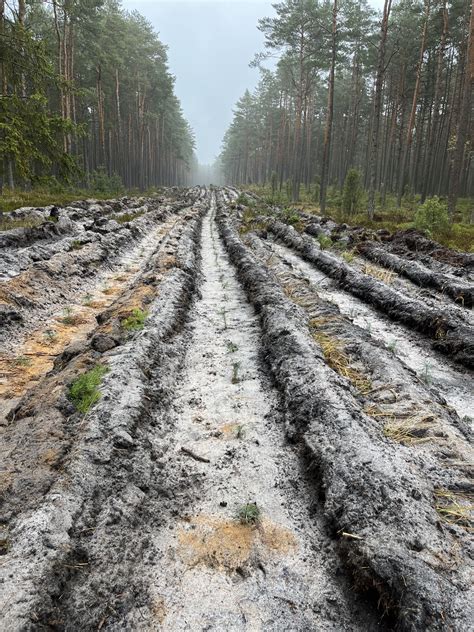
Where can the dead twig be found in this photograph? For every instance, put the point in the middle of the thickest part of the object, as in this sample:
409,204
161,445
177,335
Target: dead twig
194,456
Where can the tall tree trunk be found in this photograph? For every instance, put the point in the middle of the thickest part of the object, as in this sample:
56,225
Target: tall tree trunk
374,144
463,120
432,134
330,114
411,120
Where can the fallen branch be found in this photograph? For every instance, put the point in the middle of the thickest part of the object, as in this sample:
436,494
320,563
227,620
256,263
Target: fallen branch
194,456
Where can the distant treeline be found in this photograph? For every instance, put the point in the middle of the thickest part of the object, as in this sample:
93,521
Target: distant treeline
86,89
389,95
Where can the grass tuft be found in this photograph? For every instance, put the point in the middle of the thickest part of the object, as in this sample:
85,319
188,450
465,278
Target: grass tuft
456,508
409,431
22,361
325,242
69,317
128,217
76,245
387,276
249,514
84,391
338,360
348,256
135,321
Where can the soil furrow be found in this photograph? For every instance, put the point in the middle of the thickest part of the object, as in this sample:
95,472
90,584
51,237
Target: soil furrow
102,479
451,335
460,293
219,571
442,376
382,510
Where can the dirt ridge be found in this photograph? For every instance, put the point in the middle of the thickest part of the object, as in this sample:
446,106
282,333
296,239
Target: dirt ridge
367,491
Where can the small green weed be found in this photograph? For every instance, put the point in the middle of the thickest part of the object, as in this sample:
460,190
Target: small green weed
392,346
76,245
426,374
69,318
235,373
239,431
84,391
231,346
249,514
22,361
50,335
135,321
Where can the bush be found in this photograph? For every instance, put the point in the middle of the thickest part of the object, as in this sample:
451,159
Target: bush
103,183
433,217
324,241
84,392
352,192
289,216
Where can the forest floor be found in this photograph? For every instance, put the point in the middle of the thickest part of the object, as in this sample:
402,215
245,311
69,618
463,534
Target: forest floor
389,216
212,420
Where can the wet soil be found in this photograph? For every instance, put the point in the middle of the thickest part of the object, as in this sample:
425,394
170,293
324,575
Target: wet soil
268,452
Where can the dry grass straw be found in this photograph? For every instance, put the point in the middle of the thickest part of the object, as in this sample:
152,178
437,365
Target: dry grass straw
456,508
387,276
337,359
409,431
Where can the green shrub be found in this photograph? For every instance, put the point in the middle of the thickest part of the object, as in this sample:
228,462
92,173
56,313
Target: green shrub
76,245
289,216
102,182
244,200
352,192
84,391
433,217
324,241
136,320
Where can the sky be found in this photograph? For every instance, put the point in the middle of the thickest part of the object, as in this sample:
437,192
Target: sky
210,45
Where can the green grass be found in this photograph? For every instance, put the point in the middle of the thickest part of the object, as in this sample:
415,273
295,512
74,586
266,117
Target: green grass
324,241
135,321
42,196
84,391
22,361
249,514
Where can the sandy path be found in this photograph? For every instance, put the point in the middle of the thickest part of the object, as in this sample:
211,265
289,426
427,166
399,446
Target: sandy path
214,572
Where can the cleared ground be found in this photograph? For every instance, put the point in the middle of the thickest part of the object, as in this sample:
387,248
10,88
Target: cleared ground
279,436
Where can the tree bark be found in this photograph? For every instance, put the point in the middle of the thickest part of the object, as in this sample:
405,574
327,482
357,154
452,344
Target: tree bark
330,114
374,144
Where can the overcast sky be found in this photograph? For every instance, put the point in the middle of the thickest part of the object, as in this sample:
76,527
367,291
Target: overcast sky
210,45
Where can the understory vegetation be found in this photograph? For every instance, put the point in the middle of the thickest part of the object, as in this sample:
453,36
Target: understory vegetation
431,217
